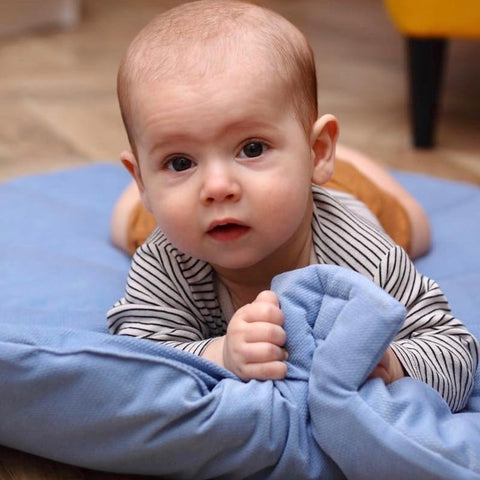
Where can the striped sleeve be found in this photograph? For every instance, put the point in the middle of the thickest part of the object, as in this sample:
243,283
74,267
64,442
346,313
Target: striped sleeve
432,345
169,298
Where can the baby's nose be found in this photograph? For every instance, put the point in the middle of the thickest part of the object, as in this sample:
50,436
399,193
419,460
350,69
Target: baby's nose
220,185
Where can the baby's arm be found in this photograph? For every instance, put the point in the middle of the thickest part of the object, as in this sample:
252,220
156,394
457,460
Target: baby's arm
167,299
432,345
253,345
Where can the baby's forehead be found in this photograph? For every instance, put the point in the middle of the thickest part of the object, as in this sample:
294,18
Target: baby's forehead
216,57
249,40
238,75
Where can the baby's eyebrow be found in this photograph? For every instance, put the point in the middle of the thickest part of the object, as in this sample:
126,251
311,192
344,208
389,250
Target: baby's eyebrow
252,124
247,127
250,128
166,140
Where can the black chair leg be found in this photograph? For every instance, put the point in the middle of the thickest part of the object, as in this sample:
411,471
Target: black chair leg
426,59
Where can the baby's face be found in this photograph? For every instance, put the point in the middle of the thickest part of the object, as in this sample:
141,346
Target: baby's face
226,167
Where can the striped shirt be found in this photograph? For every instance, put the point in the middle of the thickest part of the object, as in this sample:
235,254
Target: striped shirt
172,298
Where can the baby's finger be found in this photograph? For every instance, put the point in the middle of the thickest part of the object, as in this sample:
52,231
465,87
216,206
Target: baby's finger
260,311
263,352
265,371
268,296
266,332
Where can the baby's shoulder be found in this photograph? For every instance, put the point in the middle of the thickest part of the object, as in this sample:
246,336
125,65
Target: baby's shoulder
336,224
160,252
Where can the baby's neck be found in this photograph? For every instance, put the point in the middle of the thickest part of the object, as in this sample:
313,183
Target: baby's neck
245,284
240,297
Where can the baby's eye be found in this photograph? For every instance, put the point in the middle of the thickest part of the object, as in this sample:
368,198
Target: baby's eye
253,149
179,164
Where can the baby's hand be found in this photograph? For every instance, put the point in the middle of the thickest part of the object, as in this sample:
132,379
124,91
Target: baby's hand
389,369
253,345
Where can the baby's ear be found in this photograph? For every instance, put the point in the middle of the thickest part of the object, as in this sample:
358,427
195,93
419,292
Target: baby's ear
323,141
130,162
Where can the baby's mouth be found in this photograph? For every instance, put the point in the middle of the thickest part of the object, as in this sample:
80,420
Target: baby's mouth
228,231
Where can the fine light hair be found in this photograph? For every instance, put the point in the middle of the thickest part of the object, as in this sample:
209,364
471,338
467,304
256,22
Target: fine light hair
201,37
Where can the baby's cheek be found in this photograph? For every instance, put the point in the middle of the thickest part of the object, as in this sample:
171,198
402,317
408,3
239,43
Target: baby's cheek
181,230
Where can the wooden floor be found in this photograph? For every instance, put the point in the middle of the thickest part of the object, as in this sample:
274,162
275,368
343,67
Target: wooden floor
58,105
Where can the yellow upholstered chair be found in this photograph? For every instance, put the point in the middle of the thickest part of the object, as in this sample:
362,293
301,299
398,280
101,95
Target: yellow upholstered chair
428,25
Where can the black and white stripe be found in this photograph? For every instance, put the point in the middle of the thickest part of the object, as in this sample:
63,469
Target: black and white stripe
170,297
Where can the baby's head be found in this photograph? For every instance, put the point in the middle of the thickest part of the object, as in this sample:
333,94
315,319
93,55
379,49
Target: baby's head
219,101
196,40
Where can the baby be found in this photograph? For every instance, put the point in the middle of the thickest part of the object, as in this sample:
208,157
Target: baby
220,106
